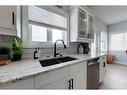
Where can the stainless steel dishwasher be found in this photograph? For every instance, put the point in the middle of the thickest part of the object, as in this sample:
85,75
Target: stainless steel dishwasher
93,73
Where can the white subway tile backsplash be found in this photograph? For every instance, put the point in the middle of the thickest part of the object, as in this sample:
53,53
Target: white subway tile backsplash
29,52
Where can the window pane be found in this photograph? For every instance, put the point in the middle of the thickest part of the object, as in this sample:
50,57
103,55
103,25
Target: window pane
103,43
45,34
93,45
39,33
117,41
125,41
56,34
103,36
103,46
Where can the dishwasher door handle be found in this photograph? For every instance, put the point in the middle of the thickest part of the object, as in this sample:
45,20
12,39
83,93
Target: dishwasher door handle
92,63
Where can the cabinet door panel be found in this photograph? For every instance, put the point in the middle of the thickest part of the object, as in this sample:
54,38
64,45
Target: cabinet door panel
90,27
82,23
76,67
79,80
60,84
6,17
20,84
103,66
51,76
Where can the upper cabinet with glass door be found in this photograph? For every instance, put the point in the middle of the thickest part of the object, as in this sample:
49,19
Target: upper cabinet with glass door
81,25
91,23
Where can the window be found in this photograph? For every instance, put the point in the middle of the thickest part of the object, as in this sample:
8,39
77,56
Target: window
100,42
94,44
118,41
46,26
55,34
45,34
103,42
36,33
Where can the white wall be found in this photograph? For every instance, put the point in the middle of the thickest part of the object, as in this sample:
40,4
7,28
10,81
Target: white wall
119,56
122,26
100,25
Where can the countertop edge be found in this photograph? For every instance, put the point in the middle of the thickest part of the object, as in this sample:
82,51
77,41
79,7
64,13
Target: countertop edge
47,70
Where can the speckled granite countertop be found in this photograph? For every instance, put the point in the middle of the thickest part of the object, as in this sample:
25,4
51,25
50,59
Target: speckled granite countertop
30,67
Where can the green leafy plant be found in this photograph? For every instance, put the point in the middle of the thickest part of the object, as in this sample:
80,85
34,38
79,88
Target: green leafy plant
17,47
4,50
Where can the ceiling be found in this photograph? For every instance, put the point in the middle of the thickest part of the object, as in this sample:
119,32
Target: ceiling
110,14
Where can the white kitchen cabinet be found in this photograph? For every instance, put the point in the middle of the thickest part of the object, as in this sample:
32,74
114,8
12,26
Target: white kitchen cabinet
91,23
78,75
81,25
103,63
20,84
77,81
76,67
76,78
8,17
50,77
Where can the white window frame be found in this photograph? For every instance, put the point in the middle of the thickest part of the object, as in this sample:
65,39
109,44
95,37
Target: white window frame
39,42
98,41
105,41
26,35
110,33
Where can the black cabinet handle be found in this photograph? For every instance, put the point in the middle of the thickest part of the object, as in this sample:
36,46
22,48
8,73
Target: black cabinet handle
13,18
103,64
70,84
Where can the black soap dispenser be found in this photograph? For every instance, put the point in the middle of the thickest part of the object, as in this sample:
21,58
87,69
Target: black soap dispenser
36,54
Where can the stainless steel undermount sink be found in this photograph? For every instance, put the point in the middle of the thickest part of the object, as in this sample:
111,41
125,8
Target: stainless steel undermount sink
53,61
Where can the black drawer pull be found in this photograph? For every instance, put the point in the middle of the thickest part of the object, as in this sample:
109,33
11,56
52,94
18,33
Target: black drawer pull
13,18
103,64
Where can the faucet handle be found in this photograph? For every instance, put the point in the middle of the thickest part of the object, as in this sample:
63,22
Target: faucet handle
60,55
57,54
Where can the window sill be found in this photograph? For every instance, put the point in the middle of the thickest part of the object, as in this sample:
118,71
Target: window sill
43,45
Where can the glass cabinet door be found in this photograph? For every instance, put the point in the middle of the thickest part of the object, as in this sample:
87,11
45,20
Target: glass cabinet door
90,34
82,23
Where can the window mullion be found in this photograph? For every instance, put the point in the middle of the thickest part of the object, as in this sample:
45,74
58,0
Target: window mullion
49,35
123,41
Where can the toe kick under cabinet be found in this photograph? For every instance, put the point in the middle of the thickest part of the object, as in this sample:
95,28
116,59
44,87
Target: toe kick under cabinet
69,77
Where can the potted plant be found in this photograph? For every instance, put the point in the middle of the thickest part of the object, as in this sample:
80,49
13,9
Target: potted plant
17,48
4,53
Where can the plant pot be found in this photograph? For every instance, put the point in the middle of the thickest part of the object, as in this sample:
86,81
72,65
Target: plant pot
4,56
17,57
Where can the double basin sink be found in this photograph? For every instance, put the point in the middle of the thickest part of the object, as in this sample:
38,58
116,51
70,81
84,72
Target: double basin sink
53,61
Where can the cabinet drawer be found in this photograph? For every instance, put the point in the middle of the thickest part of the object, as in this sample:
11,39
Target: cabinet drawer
20,84
76,67
50,77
